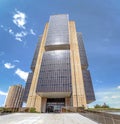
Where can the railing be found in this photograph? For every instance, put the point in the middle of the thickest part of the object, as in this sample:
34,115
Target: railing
99,117
102,117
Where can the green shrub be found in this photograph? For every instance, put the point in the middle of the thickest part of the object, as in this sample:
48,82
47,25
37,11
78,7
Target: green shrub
32,110
1,109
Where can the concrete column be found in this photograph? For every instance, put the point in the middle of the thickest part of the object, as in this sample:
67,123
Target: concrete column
44,102
31,101
78,90
38,103
67,101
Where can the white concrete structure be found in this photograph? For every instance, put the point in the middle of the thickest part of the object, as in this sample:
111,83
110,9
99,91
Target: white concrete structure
30,118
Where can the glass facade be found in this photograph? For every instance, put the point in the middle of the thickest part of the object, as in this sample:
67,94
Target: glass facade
58,32
82,52
88,86
27,87
36,54
86,74
30,76
55,72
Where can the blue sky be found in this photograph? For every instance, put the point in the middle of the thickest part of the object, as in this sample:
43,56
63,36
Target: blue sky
21,23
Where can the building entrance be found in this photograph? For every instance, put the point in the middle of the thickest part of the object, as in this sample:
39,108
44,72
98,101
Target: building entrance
55,104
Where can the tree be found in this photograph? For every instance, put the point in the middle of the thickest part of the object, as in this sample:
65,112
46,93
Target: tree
105,106
97,106
101,106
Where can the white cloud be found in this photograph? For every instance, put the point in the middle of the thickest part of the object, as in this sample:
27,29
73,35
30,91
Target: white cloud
3,93
19,39
9,65
11,32
19,19
32,32
108,96
118,87
1,26
115,97
22,74
17,61
19,36
99,81
4,28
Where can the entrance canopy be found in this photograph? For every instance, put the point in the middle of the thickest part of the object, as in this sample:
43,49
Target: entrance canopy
54,94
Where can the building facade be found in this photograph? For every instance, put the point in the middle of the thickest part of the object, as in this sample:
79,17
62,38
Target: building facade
59,74
14,97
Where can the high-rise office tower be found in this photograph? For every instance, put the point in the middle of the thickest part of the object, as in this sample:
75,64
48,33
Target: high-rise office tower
59,69
14,97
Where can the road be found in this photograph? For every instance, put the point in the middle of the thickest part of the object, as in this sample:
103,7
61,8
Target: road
32,118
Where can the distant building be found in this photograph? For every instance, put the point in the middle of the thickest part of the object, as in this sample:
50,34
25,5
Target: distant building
14,97
59,74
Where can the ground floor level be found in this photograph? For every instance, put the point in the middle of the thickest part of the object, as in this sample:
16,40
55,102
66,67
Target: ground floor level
50,105
54,102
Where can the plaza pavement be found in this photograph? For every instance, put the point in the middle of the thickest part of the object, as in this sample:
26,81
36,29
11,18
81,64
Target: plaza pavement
33,118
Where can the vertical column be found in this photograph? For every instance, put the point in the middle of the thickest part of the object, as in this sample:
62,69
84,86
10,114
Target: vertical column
74,91
33,97
67,101
78,91
38,103
44,101
8,98
11,97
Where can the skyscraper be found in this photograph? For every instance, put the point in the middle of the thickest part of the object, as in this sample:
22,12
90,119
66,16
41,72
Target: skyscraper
14,97
59,69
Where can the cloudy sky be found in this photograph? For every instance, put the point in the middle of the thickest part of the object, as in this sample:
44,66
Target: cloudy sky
21,23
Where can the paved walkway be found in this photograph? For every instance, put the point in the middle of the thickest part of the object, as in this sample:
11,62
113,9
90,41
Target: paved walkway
30,118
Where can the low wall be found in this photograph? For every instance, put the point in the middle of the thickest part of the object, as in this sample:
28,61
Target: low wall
72,109
102,117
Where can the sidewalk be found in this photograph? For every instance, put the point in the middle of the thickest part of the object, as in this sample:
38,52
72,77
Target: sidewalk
31,118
